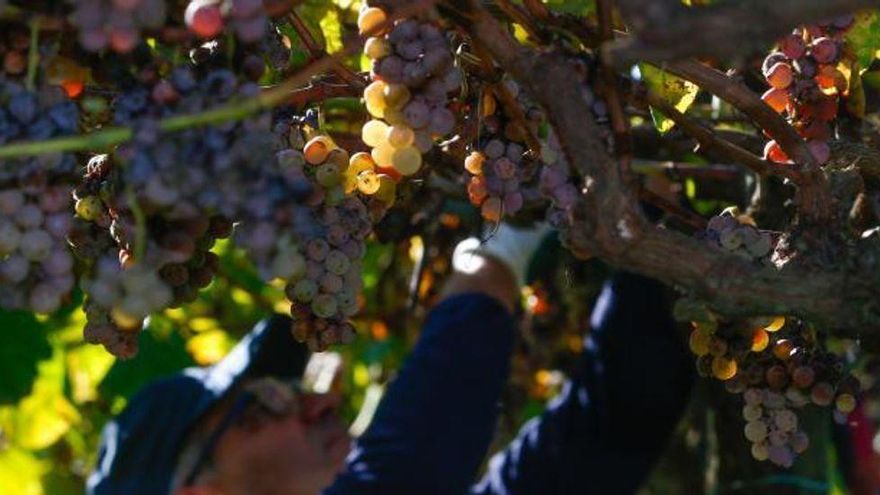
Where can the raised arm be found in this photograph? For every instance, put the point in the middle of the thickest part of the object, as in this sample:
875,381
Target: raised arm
433,427
603,433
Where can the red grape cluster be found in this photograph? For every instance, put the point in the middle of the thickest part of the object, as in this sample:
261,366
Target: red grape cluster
778,366
737,234
248,19
806,84
115,24
413,75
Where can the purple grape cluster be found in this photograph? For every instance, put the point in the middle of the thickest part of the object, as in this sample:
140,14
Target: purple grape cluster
185,187
501,166
738,235
115,24
36,267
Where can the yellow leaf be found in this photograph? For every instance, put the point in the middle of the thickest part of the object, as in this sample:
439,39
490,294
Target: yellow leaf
86,367
21,470
679,92
209,347
45,415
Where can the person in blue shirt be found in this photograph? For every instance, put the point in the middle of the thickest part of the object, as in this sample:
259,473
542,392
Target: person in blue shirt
244,427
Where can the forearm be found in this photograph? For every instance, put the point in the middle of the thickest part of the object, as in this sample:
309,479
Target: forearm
434,425
613,418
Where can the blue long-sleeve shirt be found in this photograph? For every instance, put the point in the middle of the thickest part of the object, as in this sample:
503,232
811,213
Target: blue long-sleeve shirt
601,435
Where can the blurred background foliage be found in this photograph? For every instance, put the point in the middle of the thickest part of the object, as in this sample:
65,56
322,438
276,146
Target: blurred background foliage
56,392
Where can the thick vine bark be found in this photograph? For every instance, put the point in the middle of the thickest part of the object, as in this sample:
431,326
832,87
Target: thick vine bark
667,30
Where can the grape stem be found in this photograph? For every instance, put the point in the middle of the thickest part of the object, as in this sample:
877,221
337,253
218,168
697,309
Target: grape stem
33,54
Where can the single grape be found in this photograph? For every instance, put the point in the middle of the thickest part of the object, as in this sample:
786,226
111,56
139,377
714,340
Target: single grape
778,99
755,431
400,136
723,368
780,76
407,160
793,46
371,20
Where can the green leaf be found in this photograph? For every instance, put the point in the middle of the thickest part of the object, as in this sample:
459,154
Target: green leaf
577,7
864,37
22,345
332,29
677,91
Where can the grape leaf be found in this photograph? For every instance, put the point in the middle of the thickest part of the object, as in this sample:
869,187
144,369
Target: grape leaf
45,415
864,37
332,29
677,91
22,345
22,470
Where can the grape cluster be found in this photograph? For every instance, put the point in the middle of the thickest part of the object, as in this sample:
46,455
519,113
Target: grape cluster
119,298
779,367
501,164
806,83
36,268
323,268
413,75
163,200
115,24
737,234
248,19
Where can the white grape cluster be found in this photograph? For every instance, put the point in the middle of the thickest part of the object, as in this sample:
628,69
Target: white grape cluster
738,235
413,75
118,300
115,24
36,266
772,427
323,267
